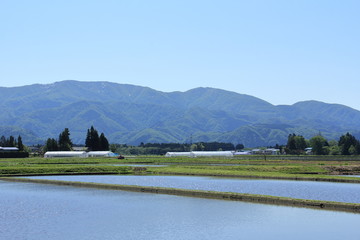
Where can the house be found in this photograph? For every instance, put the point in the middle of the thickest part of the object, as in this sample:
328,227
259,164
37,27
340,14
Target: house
271,151
257,151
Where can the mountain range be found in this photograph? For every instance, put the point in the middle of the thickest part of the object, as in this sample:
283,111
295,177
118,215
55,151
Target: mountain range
134,114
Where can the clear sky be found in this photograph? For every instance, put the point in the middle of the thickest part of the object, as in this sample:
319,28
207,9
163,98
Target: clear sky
282,51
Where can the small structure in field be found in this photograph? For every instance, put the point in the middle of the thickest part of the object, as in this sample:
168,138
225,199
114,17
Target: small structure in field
9,149
272,151
268,151
200,154
242,153
212,154
61,154
101,154
178,154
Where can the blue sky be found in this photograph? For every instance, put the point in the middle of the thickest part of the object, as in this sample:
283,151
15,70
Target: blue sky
280,51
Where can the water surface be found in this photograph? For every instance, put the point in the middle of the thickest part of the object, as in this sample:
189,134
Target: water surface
39,211
327,191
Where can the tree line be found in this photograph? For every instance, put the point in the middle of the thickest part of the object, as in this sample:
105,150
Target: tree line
296,144
347,145
163,148
93,141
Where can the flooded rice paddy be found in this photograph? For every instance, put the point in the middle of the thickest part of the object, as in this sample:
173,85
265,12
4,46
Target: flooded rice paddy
39,211
326,191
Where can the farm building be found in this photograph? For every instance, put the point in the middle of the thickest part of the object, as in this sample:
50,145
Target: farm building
272,151
212,154
242,153
60,154
178,154
200,154
9,149
269,151
101,154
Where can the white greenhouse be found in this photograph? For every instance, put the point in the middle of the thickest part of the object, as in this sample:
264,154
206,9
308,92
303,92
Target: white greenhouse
212,154
178,154
61,154
200,154
101,154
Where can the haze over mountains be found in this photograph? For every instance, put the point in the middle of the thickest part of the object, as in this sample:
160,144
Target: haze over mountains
133,114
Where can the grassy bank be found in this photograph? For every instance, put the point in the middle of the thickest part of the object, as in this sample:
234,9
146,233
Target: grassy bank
326,205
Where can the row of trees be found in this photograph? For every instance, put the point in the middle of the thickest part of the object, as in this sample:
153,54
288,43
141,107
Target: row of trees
63,143
12,142
162,148
200,146
347,145
93,141
296,144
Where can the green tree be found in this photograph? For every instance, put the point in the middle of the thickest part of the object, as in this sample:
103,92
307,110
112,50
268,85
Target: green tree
3,141
113,147
104,143
12,142
64,142
291,144
318,144
20,144
51,145
352,150
345,143
357,147
88,139
8,142
94,142
334,150
300,143
296,144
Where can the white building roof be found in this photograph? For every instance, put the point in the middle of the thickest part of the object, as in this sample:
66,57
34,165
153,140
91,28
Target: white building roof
101,153
9,149
178,154
65,154
201,154
212,153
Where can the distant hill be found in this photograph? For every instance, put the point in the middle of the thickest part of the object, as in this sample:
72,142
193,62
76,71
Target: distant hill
133,114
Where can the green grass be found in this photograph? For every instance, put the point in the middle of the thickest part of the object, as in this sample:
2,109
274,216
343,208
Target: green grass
289,173
261,168
69,169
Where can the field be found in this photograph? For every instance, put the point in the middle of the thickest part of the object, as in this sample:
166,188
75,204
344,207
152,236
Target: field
316,169
294,168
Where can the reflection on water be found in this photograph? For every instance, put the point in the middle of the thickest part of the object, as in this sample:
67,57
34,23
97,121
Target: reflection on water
36,211
328,191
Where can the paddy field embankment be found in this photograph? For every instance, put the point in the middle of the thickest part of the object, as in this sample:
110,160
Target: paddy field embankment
331,170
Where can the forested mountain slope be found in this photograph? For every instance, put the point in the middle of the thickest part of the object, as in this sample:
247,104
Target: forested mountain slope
133,114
